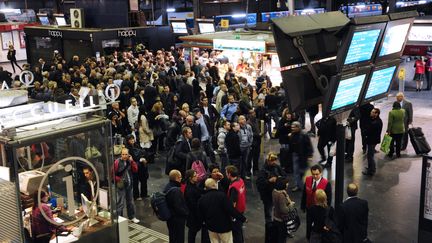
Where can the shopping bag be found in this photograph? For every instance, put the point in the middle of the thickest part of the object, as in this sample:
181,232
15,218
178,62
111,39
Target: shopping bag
385,144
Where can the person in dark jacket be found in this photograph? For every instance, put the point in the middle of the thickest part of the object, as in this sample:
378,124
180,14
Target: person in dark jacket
352,121
216,211
318,214
182,148
301,151
186,93
353,217
177,206
192,194
11,56
141,177
283,129
373,137
327,136
232,144
266,181
195,154
365,111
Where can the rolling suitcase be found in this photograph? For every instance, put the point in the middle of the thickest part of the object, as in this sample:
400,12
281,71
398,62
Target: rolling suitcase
418,140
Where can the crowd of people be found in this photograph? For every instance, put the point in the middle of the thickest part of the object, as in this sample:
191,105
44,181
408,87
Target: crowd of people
210,123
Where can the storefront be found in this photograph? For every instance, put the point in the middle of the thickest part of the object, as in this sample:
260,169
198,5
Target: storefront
64,151
42,41
248,53
13,34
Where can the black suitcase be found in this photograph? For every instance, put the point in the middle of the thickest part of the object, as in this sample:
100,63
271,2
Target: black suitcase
418,140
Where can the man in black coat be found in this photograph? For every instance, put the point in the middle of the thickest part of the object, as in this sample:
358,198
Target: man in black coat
353,217
182,148
186,94
365,111
327,136
177,206
232,144
373,137
352,121
216,211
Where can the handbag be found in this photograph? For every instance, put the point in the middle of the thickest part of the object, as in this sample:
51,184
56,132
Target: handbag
385,144
292,221
91,152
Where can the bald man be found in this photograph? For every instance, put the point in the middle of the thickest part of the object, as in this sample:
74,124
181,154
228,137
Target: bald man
407,106
353,217
178,208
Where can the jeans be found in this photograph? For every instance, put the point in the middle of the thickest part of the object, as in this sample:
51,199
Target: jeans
298,171
237,231
370,158
281,231
243,162
396,138
192,232
123,195
254,155
176,229
139,185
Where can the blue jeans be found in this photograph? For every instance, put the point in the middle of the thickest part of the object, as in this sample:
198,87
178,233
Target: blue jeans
298,171
126,195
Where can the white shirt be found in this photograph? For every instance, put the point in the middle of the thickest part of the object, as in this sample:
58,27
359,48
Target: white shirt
132,114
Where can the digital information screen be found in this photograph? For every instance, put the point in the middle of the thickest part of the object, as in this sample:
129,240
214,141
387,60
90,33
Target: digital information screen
380,82
348,92
206,28
179,27
44,20
61,21
362,46
394,39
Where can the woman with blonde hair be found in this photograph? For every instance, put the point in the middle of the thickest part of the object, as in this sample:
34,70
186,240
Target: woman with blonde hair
318,214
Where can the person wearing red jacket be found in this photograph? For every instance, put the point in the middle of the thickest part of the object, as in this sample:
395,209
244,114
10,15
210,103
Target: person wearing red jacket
237,195
419,75
313,183
122,173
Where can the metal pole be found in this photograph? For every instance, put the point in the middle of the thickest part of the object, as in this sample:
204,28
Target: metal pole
340,170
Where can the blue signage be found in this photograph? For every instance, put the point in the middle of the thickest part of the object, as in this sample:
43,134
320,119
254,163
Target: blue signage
380,82
348,92
362,46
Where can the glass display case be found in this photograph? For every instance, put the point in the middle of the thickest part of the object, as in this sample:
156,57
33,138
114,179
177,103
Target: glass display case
55,167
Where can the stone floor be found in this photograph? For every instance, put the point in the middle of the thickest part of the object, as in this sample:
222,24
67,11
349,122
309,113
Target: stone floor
393,193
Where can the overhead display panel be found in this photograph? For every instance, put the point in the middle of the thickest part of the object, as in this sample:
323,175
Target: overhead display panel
380,81
359,46
345,91
394,39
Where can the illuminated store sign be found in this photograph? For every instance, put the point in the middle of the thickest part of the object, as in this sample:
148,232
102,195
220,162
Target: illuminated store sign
55,33
239,45
126,33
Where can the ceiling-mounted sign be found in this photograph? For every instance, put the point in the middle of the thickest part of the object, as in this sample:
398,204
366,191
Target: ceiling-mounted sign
126,33
239,45
55,33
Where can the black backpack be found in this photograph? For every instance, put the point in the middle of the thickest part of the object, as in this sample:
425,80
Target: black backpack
160,206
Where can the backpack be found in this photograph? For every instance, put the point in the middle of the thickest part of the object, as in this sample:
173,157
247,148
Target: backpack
199,168
160,206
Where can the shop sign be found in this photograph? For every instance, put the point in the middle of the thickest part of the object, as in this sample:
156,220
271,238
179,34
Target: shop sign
126,33
224,23
55,33
66,165
239,45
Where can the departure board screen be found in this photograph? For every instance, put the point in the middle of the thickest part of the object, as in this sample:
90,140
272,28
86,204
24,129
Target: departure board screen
394,39
380,82
348,92
362,46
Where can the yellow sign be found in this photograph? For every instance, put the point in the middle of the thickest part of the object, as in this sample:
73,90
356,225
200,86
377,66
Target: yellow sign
224,23
401,74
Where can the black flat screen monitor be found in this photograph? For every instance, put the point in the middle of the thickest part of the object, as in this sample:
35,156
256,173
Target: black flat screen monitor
179,27
345,91
206,27
359,46
380,81
395,37
44,20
